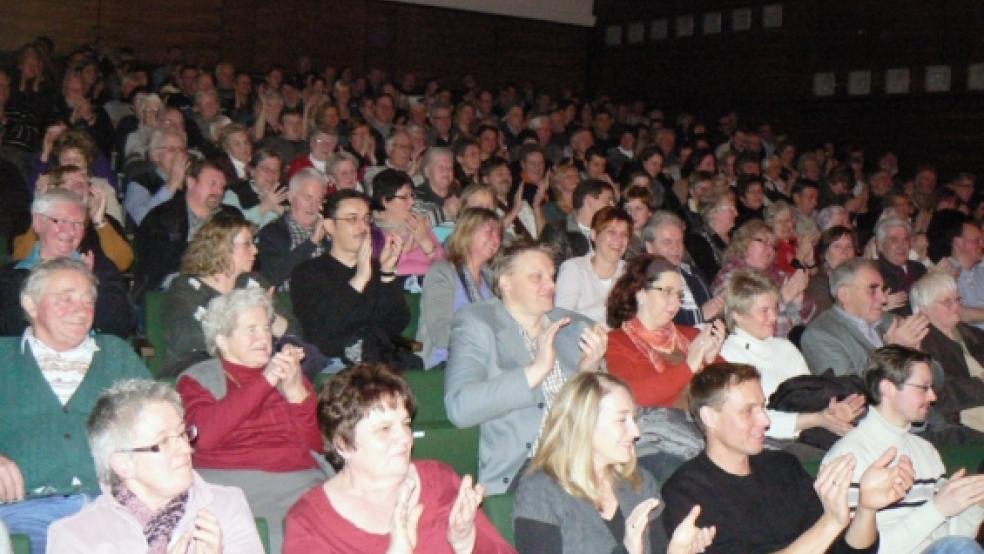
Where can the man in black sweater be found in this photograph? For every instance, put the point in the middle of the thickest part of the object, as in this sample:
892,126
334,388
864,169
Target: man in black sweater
763,501
349,304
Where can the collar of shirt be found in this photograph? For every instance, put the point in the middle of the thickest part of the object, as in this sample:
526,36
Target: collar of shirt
34,258
84,350
869,331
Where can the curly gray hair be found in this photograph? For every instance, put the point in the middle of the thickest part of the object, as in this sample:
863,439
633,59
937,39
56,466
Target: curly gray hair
223,313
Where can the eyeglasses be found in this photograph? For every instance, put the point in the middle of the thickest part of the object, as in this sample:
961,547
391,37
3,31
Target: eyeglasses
924,388
668,292
169,442
62,222
355,218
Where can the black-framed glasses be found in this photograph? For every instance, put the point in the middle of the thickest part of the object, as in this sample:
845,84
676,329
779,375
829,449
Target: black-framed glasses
169,442
355,218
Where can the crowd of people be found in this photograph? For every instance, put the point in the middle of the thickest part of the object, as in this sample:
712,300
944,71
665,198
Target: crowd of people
655,322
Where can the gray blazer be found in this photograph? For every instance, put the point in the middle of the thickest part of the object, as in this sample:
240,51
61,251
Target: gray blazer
485,385
833,341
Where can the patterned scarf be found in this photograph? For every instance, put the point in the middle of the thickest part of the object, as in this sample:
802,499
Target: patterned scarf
157,527
661,346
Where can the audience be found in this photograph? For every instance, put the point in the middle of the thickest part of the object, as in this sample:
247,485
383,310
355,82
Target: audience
763,500
462,279
394,216
510,355
253,408
654,356
152,499
583,491
571,237
709,234
380,501
259,197
899,386
893,237
835,246
157,181
53,374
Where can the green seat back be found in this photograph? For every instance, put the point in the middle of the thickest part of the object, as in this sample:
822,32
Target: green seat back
21,544
153,304
444,442
428,387
264,531
413,303
499,508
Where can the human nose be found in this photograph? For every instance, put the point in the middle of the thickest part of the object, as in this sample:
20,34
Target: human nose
931,394
633,429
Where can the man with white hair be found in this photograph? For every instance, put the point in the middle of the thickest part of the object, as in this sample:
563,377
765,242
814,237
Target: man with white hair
966,253
342,170
399,155
168,156
299,234
893,237
58,218
52,376
437,196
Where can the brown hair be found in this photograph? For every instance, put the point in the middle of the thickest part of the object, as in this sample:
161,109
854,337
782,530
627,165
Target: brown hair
641,271
468,223
210,250
711,384
349,396
78,139
743,237
607,215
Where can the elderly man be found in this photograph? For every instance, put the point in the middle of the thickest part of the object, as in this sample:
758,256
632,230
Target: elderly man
899,387
52,376
399,155
842,337
58,218
299,234
440,133
893,237
350,304
162,178
966,252
763,500
437,196
343,172
322,141
164,234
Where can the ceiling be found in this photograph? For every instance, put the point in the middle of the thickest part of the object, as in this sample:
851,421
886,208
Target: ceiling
572,12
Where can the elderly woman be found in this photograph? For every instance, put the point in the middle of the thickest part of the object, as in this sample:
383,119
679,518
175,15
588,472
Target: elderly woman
836,246
792,252
754,247
663,236
219,259
645,349
253,408
380,501
152,500
957,346
751,310
584,492
393,199
322,143
148,109
238,151
462,279
261,198
583,282
707,243
510,355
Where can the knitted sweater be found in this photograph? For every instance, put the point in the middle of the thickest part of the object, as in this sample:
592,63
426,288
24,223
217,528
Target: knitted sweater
911,524
46,440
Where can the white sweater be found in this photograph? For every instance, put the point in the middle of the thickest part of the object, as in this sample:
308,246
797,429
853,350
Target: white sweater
777,359
910,525
580,290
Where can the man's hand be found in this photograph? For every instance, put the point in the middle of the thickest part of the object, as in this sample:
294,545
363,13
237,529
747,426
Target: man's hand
831,484
959,493
882,484
908,332
593,343
688,538
546,354
11,481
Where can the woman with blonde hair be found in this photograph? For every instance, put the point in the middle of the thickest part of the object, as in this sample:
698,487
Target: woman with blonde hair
583,491
219,259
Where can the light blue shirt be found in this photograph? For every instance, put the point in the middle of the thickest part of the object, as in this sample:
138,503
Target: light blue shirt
138,201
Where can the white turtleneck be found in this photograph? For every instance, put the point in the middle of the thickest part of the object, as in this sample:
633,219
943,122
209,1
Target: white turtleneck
777,359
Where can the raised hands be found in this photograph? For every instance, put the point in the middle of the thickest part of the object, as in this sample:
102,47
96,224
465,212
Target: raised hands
793,287
688,538
635,526
272,200
706,346
97,205
960,492
546,354
461,520
839,416
284,372
406,516
832,482
908,332
883,484
390,255
593,343
205,539
895,300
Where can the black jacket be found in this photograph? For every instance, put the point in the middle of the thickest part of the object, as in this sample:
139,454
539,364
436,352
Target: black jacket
566,238
276,259
960,390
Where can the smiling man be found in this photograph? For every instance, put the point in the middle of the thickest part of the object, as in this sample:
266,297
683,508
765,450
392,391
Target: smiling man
763,500
52,376
899,387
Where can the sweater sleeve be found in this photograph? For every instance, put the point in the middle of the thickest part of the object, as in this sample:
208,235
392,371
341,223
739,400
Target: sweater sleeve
215,419
437,304
114,246
537,537
569,285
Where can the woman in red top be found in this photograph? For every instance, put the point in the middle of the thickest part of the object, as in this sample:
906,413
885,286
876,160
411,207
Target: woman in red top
645,349
254,410
379,501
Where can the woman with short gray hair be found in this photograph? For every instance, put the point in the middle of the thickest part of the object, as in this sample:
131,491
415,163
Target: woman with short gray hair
153,501
253,408
956,346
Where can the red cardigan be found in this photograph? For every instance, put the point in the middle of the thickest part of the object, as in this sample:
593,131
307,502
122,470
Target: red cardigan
313,525
649,388
253,427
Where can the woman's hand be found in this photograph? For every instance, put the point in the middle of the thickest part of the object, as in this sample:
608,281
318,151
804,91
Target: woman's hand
461,520
635,525
794,286
270,201
420,231
895,300
706,346
292,382
593,344
688,538
806,249
97,205
206,538
390,256
51,134
406,516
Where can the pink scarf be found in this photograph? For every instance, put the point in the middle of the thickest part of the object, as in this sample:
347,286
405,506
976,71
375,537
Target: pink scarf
661,346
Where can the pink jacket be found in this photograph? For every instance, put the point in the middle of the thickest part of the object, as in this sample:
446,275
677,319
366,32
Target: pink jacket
105,527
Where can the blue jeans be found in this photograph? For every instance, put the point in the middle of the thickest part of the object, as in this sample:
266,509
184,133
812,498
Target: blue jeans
954,545
33,516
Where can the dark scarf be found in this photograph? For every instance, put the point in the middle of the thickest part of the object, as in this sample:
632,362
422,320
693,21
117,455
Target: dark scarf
157,526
